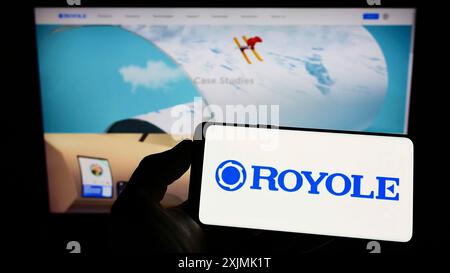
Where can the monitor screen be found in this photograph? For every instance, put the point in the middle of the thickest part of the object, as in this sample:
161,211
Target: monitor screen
96,178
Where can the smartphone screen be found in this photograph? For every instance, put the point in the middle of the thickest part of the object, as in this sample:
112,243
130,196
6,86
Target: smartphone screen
327,183
96,178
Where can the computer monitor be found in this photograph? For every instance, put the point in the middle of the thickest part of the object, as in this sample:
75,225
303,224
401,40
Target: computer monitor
165,70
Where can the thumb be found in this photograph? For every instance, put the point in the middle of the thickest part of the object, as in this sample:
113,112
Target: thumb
155,172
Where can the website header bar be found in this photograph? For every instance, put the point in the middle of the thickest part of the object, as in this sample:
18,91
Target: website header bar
225,16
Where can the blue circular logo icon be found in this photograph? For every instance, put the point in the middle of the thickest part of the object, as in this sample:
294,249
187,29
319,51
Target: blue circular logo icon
230,175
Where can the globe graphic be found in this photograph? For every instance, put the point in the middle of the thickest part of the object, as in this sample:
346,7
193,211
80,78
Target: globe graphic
84,84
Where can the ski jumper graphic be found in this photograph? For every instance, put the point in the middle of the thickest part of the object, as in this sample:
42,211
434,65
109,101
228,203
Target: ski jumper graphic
250,44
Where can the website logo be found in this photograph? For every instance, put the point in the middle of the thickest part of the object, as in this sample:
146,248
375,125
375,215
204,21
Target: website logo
250,44
71,15
231,176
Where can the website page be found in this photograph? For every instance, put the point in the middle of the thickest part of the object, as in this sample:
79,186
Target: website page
341,69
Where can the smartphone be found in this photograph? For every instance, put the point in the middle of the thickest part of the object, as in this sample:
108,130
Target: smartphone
304,181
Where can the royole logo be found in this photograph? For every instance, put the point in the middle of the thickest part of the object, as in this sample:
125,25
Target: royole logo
231,176
250,44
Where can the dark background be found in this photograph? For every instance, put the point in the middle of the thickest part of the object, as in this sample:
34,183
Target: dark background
32,230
